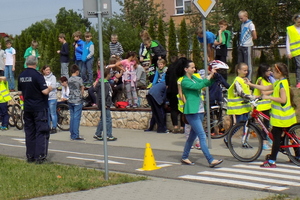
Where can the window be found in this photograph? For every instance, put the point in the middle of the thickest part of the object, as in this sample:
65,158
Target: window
182,6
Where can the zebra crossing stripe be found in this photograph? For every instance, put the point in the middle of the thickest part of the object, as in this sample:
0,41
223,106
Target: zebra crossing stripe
251,178
234,182
278,164
269,169
259,173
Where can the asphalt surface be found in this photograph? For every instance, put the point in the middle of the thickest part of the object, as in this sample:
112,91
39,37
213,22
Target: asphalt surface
172,180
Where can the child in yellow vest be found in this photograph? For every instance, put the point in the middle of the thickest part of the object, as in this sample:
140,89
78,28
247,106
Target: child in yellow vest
282,109
263,78
4,98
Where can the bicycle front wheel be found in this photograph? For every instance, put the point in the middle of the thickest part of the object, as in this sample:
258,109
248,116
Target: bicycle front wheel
63,117
293,152
11,120
245,142
19,120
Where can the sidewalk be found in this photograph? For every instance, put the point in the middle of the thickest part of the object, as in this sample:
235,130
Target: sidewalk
156,188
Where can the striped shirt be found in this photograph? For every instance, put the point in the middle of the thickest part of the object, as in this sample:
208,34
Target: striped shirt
116,49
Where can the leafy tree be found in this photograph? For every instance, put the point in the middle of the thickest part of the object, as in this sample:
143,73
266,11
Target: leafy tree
161,33
152,29
197,53
172,47
183,39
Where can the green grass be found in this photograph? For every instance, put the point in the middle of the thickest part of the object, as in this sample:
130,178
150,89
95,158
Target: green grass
21,180
280,197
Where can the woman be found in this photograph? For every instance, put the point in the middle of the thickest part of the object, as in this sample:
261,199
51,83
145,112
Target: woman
193,110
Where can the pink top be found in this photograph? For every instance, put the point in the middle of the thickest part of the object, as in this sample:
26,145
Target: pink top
129,74
98,75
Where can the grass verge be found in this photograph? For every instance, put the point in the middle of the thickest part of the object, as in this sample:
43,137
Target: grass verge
21,180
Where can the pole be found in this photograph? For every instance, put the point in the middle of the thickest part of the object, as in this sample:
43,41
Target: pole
103,109
206,89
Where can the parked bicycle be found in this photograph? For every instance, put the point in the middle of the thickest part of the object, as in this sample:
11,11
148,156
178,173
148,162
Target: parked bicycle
63,116
16,112
245,140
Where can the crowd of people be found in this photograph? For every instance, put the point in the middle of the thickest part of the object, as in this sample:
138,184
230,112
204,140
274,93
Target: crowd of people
178,85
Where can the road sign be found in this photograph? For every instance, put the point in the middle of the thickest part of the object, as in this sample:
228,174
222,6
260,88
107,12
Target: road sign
90,8
204,6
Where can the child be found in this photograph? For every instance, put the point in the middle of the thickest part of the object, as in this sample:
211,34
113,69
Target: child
32,51
78,49
10,63
2,61
263,78
143,53
93,89
108,102
129,78
282,111
75,102
160,73
116,81
64,56
4,98
115,47
65,91
52,97
88,60
210,39
221,44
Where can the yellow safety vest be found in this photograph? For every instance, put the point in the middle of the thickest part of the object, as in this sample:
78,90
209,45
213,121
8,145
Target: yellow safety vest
264,104
180,101
282,115
294,38
4,92
235,105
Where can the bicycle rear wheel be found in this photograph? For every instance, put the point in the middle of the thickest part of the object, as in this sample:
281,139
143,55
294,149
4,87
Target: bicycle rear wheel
223,123
63,117
251,148
293,152
19,120
11,120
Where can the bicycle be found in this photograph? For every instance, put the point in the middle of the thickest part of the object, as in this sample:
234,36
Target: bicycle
63,116
245,140
16,112
220,122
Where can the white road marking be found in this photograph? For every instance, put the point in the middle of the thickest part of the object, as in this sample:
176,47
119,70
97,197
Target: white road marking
95,160
292,166
234,182
269,169
250,178
162,165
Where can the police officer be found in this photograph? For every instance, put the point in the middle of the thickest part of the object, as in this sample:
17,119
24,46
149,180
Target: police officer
32,85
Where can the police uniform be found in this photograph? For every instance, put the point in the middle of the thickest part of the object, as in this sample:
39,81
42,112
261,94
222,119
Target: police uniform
32,83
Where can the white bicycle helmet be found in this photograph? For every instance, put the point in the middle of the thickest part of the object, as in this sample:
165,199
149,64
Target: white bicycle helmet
218,64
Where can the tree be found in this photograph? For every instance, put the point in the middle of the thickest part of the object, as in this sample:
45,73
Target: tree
183,39
161,32
152,29
197,53
172,47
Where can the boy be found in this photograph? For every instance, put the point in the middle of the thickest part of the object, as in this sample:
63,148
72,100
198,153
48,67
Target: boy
78,45
247,35
32,51
10,63
88,60
4,98
64,56
115,47
75,102
108,102
210,39
2,61
221,45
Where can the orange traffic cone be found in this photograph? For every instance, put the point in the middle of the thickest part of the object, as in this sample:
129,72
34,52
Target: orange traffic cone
149,160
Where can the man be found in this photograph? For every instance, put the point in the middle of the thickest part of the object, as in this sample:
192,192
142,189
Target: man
32,85
248,34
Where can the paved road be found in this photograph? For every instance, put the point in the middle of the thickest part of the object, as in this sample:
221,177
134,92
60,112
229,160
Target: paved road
126,155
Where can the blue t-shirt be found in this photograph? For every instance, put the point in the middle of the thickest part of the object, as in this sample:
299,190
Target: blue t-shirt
31,82
210,38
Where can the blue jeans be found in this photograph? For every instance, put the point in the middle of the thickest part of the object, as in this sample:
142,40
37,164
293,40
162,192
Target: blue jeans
79,63
108,125
64,71
4,114
243,117
52,113
87,71
195,120
9,74
75,116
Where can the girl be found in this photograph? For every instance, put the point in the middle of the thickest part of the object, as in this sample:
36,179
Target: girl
129,77
191,89
65,91
263,78
282,108
92,90
52,99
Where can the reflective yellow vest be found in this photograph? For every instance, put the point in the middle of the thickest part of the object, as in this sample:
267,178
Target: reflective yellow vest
282,115
264,104
294,38
180,101
4,92
235,105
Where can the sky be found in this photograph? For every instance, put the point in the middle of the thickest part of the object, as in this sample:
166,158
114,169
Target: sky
17,15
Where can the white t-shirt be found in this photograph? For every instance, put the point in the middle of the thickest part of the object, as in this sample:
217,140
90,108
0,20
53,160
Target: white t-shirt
246,34
2,57
9,56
